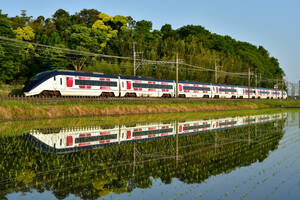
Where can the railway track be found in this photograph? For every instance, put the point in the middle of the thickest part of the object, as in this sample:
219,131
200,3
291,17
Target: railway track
80,99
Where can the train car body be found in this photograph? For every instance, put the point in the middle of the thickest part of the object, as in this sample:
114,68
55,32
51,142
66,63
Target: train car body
194,89
145,87
224,91
263,93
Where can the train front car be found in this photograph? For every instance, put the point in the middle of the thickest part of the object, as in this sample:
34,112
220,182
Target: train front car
40,83
72,83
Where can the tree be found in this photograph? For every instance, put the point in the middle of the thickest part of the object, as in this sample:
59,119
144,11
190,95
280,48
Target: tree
8,68
25,33
61,20
5,25
86,17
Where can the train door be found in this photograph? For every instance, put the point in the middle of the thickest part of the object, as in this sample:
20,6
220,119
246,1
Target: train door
60,83
55,83
239,92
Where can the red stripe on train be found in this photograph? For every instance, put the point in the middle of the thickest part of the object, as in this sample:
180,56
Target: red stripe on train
84,144
151,136
85,86
104,141
84,135
104,133
105,88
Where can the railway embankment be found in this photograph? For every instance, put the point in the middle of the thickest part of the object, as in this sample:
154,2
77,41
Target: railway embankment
46,109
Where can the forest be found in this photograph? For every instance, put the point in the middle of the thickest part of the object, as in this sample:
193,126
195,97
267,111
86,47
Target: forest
78,41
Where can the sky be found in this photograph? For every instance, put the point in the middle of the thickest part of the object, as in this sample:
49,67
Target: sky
274,24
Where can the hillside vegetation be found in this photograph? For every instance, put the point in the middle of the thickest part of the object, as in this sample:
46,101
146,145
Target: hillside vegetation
93,31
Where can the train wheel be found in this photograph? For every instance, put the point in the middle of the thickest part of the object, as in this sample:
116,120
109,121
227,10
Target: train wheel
107,94
166,96
129,94
49,93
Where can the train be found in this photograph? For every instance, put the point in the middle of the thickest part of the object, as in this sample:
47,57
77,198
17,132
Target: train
73,83
62,141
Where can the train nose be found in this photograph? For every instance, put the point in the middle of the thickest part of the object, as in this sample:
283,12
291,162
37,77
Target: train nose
31,85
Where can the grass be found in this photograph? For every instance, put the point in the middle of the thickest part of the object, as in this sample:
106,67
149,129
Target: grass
6,90
12,110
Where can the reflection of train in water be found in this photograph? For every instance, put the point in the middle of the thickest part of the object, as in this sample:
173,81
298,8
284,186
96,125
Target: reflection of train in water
69,140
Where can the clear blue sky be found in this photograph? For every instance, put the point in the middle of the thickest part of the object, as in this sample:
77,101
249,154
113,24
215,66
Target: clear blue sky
274,24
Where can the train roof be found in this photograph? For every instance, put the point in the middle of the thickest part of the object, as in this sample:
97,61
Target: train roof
194,82
75,73
145,78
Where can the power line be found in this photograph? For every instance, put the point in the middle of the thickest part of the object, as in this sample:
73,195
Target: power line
67,52
65,49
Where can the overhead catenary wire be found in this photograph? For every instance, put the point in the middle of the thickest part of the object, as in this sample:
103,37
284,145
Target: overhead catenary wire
69,52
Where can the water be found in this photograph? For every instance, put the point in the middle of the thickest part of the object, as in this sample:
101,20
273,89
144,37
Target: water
240,157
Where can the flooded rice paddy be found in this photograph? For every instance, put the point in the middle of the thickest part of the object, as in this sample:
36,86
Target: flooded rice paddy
227,157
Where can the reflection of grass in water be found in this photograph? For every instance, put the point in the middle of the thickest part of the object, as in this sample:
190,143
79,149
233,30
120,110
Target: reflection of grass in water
10,128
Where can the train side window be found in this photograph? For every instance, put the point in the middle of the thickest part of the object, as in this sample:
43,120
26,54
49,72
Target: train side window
61,81
55,78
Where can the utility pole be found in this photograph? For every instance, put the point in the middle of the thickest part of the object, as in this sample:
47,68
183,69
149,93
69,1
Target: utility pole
255,74
260,78
293,91
177,155
287,90
216,72
177,63
255,80
134,68
249,83
282,84
299,91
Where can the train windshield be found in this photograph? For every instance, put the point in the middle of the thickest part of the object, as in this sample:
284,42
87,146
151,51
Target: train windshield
40,76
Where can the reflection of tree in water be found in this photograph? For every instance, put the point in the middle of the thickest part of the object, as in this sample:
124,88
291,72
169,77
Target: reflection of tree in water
114,169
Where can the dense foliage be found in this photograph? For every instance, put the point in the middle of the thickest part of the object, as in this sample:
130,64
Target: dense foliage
92,31
113,169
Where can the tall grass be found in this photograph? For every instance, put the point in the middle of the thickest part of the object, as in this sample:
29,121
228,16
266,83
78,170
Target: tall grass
11,110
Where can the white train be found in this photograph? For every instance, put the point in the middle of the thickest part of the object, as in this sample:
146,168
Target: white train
70,140
71,83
